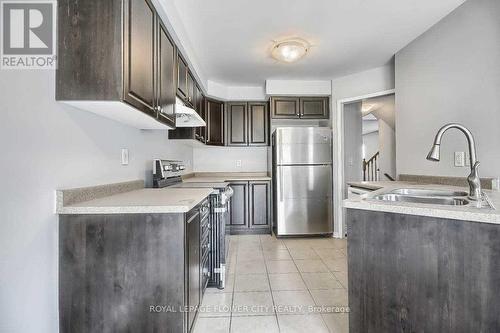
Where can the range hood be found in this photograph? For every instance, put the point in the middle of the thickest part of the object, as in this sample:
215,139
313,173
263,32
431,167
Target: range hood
186,116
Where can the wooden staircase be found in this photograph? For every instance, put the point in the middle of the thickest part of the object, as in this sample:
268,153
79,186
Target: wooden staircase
371,171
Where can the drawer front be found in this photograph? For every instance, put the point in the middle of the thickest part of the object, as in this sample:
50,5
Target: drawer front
205,273
205,236
205,247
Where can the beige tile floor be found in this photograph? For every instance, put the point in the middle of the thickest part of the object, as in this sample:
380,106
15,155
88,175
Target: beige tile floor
279,285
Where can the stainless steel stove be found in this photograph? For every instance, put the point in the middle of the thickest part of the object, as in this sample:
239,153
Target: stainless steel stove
167,173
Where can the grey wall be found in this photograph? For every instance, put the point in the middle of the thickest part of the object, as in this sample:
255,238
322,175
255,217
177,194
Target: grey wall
387,148
451,74
370,141
353,142
46,145
223,159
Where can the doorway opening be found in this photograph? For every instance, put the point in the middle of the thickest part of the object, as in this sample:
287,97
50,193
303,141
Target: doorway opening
366,146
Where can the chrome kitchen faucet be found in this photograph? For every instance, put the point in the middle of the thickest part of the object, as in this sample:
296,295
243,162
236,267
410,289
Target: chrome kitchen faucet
475,192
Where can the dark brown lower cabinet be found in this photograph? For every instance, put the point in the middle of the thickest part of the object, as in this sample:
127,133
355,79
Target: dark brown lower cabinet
250,210
193,265
412,273
239,206
130,272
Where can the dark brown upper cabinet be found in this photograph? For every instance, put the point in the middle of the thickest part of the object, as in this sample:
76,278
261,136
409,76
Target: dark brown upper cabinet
237,124
116,53
182,78
140,66
191,93
285,107
215,122
200,132
314,108
300,107
166,76
247,124
258,124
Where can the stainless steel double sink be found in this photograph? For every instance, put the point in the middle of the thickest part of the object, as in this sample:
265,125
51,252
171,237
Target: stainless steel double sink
429,196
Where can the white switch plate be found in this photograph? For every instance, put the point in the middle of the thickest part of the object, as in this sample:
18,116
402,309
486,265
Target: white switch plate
459,158
124,156
238,163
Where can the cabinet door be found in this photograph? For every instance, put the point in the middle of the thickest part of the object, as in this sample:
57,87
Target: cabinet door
199,107
237,124
285,107
202,131
191,94
182,72
314,108
258,124
194,262
259,204
166,77
215,123
139,55
239,205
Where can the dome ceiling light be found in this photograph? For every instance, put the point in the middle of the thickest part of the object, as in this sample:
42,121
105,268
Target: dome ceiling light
290,50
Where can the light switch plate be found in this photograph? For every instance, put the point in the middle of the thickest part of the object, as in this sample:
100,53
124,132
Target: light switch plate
124,156
238,163
459,158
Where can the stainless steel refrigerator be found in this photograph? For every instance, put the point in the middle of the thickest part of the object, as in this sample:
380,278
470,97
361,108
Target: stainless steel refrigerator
302,176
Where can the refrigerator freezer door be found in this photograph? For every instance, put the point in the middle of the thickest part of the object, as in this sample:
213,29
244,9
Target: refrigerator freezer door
303,145
303,200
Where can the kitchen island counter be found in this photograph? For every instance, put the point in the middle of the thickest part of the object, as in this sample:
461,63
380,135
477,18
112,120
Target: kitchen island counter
131,200
467,213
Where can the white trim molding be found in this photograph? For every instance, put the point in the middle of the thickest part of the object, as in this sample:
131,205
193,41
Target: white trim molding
338,155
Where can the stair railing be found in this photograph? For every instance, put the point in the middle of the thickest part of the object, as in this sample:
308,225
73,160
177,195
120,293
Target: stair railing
371,171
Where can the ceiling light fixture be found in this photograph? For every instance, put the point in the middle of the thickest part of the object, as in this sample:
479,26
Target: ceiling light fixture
290,50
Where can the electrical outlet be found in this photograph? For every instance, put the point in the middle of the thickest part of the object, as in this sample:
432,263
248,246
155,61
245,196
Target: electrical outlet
124,156
459,158
238,163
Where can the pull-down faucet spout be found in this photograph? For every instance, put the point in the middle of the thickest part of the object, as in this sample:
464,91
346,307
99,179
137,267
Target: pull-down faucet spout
475,192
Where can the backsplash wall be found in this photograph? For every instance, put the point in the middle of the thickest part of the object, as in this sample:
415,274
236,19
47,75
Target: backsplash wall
224,159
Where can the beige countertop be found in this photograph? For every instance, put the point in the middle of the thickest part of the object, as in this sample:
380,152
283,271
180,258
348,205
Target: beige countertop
377,185
214,177
468,213
141,201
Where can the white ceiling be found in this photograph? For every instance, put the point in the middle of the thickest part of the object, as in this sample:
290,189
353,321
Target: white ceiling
231,39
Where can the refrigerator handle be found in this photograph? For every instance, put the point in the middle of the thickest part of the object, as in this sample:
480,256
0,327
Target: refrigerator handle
280,180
